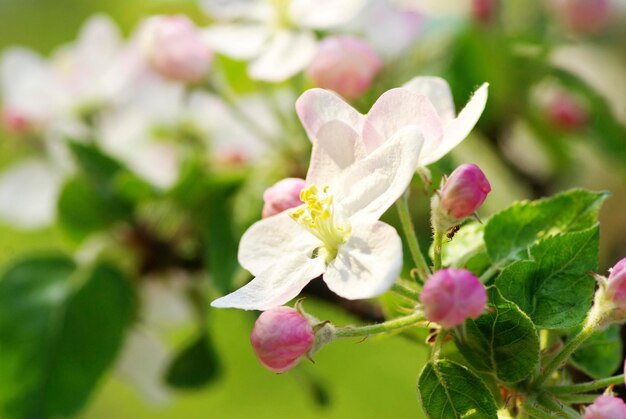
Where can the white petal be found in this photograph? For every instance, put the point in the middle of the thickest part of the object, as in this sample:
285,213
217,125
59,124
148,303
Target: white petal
337,147
28,194
397,108
143,363
323,14
236,9
456,130
367,264
437,91
286,54
277,285
315,107
241,42
268,240
370,186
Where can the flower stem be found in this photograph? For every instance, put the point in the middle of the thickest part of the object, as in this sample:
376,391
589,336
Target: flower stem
486,276
409,231
385,327
405,291
549,402
536,411
441,336
579,398
589,386
568,349
438,248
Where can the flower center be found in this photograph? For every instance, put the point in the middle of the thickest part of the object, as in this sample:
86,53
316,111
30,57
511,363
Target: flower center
317,216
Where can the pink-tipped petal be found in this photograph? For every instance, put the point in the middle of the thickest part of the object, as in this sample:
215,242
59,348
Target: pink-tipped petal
282,196
616,289
606,407
398,108
316,107
464,191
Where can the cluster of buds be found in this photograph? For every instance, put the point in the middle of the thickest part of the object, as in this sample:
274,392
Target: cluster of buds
283,335
461,195
451,296
344,64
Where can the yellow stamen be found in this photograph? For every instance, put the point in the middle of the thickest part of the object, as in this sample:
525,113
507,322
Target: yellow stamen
317,216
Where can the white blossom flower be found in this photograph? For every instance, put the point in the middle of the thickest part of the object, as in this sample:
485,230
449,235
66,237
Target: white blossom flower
335,232
425,102
276,36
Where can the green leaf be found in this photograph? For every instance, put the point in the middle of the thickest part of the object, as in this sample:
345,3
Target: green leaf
197,365
503,341
60,330
449,390
465,244
509,233
600,355
554,287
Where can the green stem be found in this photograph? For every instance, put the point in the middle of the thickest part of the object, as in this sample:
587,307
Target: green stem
568,349
536,412
550,403
409,231
438,248
579,398
488,274
385,327
436,353
589,386
405,292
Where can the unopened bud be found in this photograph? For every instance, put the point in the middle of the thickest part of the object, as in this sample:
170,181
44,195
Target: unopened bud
616,289
451,296
282,196
344,64
484,11
583,16
566,112
175,48
15,122
606,407
280,337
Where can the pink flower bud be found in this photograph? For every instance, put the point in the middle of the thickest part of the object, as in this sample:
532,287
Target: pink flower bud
616,289
280,337
283,195
15,122
584,16
606,407
566,112
464,191
344,64
175,48
452,295
484,11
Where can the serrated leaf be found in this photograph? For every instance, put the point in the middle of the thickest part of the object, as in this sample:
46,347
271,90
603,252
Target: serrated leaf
195,366
601,354
509,233
503,341
449,390
554,287
60,330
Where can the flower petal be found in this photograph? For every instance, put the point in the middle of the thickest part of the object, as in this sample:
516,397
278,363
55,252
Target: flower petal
28,194
277,285
286,54
315,107
323,14
459,128
367,264
270,239
396,109
241,42
437,91
337,147
370,186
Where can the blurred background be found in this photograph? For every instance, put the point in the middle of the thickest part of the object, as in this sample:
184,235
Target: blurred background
144,182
